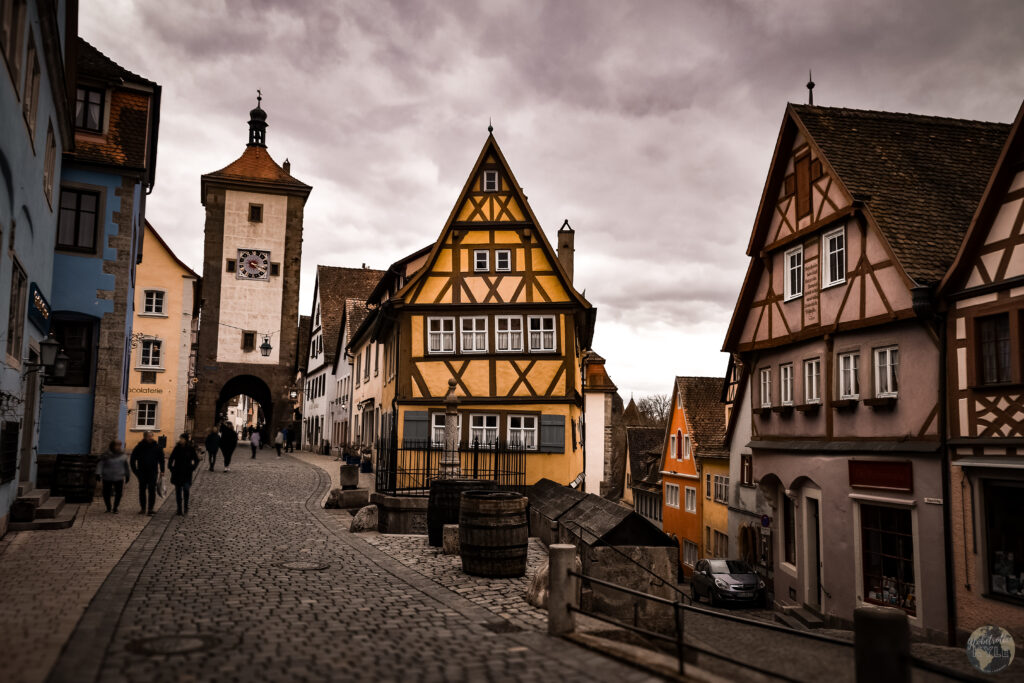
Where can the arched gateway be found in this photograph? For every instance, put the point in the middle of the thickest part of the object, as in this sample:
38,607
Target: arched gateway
250,296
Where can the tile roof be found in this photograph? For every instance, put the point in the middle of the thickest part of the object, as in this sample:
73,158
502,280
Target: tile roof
920,176
645,451
92,63
705,414
355,314
335,286
302,347
631,415
256,164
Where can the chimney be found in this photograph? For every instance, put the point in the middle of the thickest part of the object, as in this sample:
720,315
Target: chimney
287,167
566,247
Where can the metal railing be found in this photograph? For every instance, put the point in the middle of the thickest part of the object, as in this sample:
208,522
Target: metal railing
408,470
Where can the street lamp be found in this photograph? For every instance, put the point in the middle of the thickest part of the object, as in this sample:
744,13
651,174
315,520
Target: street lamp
48,350
265,347
60,365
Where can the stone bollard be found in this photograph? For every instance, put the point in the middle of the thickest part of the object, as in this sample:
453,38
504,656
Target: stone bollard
450,539
561,589
881,638
349,477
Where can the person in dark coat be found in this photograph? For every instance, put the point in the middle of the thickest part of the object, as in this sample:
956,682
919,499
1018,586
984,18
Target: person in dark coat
212,446
183,462
147,463
114,471
228,441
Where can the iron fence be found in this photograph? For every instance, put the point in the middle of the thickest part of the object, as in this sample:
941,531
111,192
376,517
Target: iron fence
409,469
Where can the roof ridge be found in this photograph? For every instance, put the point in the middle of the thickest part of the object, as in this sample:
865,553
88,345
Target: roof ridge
879,113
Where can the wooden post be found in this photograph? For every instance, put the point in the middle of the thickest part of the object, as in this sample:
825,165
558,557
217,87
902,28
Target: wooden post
881,638
450,467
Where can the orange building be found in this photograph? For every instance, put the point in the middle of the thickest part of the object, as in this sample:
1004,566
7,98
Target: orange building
681,514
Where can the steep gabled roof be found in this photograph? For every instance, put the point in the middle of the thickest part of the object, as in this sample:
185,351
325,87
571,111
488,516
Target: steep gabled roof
1002,175
645,446
920,177
302,345
491,146
334,287
92,63
353,316
705,414
631,415
256,168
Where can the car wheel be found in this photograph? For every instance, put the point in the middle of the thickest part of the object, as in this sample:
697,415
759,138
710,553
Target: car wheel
712,597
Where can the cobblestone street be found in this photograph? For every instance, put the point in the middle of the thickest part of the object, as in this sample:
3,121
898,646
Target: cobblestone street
259,583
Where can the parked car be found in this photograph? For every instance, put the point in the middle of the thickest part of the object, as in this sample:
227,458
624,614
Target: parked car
727,581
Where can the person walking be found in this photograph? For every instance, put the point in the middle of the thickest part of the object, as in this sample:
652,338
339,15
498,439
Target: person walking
279,442
183,463
254,441
289,439
228,442
114,471
147,463
212,446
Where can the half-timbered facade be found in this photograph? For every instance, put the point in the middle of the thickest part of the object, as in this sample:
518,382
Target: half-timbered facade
861,215
984,295
491,306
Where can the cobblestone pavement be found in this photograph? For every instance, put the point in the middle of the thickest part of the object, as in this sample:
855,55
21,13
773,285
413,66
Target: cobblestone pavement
48,578
504,597
260,584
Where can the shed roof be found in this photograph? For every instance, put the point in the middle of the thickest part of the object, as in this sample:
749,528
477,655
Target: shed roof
597,521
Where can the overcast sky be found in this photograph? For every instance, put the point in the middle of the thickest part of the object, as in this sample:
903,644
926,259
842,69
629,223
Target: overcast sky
649,125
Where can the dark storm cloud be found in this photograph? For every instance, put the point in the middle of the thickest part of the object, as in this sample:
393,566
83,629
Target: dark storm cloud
650,125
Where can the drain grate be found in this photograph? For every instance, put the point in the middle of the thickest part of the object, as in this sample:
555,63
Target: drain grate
303,566
173,645
502,627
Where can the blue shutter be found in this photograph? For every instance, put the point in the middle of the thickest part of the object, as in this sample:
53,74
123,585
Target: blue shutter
417,429
552,434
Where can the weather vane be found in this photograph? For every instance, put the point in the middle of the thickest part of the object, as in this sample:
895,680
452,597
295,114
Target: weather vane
490,128
259,96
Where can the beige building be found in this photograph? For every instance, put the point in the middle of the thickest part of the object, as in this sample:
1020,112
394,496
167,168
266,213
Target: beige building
161,370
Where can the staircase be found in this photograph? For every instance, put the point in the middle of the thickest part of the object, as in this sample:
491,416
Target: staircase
798,617
36,509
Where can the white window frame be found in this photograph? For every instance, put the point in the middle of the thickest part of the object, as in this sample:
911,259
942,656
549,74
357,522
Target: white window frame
532,434
849,375
155,416
477,334
441,333
508,334
829,278
721,489
792,269
159,354
160,310
542,347
691,499
690,553
766,387
481,261
672,446
812,380
786,384
485,418
498,256
490,182
887,369
687,446
434,441
672,494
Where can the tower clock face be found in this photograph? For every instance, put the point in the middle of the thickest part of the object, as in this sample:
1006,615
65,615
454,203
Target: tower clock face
253,264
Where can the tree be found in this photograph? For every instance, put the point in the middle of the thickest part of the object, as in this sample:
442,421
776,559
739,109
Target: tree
654,409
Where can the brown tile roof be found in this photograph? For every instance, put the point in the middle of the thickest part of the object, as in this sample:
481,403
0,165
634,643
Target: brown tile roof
302,348
705,414
256,164
920,176
336,286
92,63
631,415
355,313
645,451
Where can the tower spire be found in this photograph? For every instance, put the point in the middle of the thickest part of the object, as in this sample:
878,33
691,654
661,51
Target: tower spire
810,88
258,123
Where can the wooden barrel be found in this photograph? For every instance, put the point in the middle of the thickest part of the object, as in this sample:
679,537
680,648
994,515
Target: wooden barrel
443,505
493,533
75,478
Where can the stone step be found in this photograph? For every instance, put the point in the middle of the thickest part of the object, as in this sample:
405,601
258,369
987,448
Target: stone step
63,520
36,496
51,508
786,619
808,618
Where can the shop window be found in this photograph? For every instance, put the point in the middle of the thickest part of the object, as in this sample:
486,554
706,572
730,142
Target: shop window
76,340
887,548
1004,543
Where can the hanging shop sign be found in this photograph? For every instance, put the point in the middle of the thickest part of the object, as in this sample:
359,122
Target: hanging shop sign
38,309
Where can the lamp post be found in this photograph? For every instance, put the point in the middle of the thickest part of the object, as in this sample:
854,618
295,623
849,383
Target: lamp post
265,347
52,360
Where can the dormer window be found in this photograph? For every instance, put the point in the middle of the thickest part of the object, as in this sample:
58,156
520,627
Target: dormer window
490,181
89,109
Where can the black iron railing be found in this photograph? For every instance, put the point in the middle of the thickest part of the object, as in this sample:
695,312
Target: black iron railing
409,469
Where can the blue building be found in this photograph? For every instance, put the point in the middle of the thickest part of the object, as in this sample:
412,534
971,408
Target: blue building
102,205
37,43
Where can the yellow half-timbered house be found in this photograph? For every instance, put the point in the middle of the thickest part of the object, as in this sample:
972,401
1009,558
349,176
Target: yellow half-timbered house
492,306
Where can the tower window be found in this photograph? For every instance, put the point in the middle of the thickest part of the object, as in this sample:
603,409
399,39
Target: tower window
490,181
248,341
275,269
255,213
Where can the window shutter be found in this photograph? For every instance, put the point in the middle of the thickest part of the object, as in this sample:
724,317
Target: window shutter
552,433
417,429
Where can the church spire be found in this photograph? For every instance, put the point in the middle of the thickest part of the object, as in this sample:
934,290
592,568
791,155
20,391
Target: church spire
258,124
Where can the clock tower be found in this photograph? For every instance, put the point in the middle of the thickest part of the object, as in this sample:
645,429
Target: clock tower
250,290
